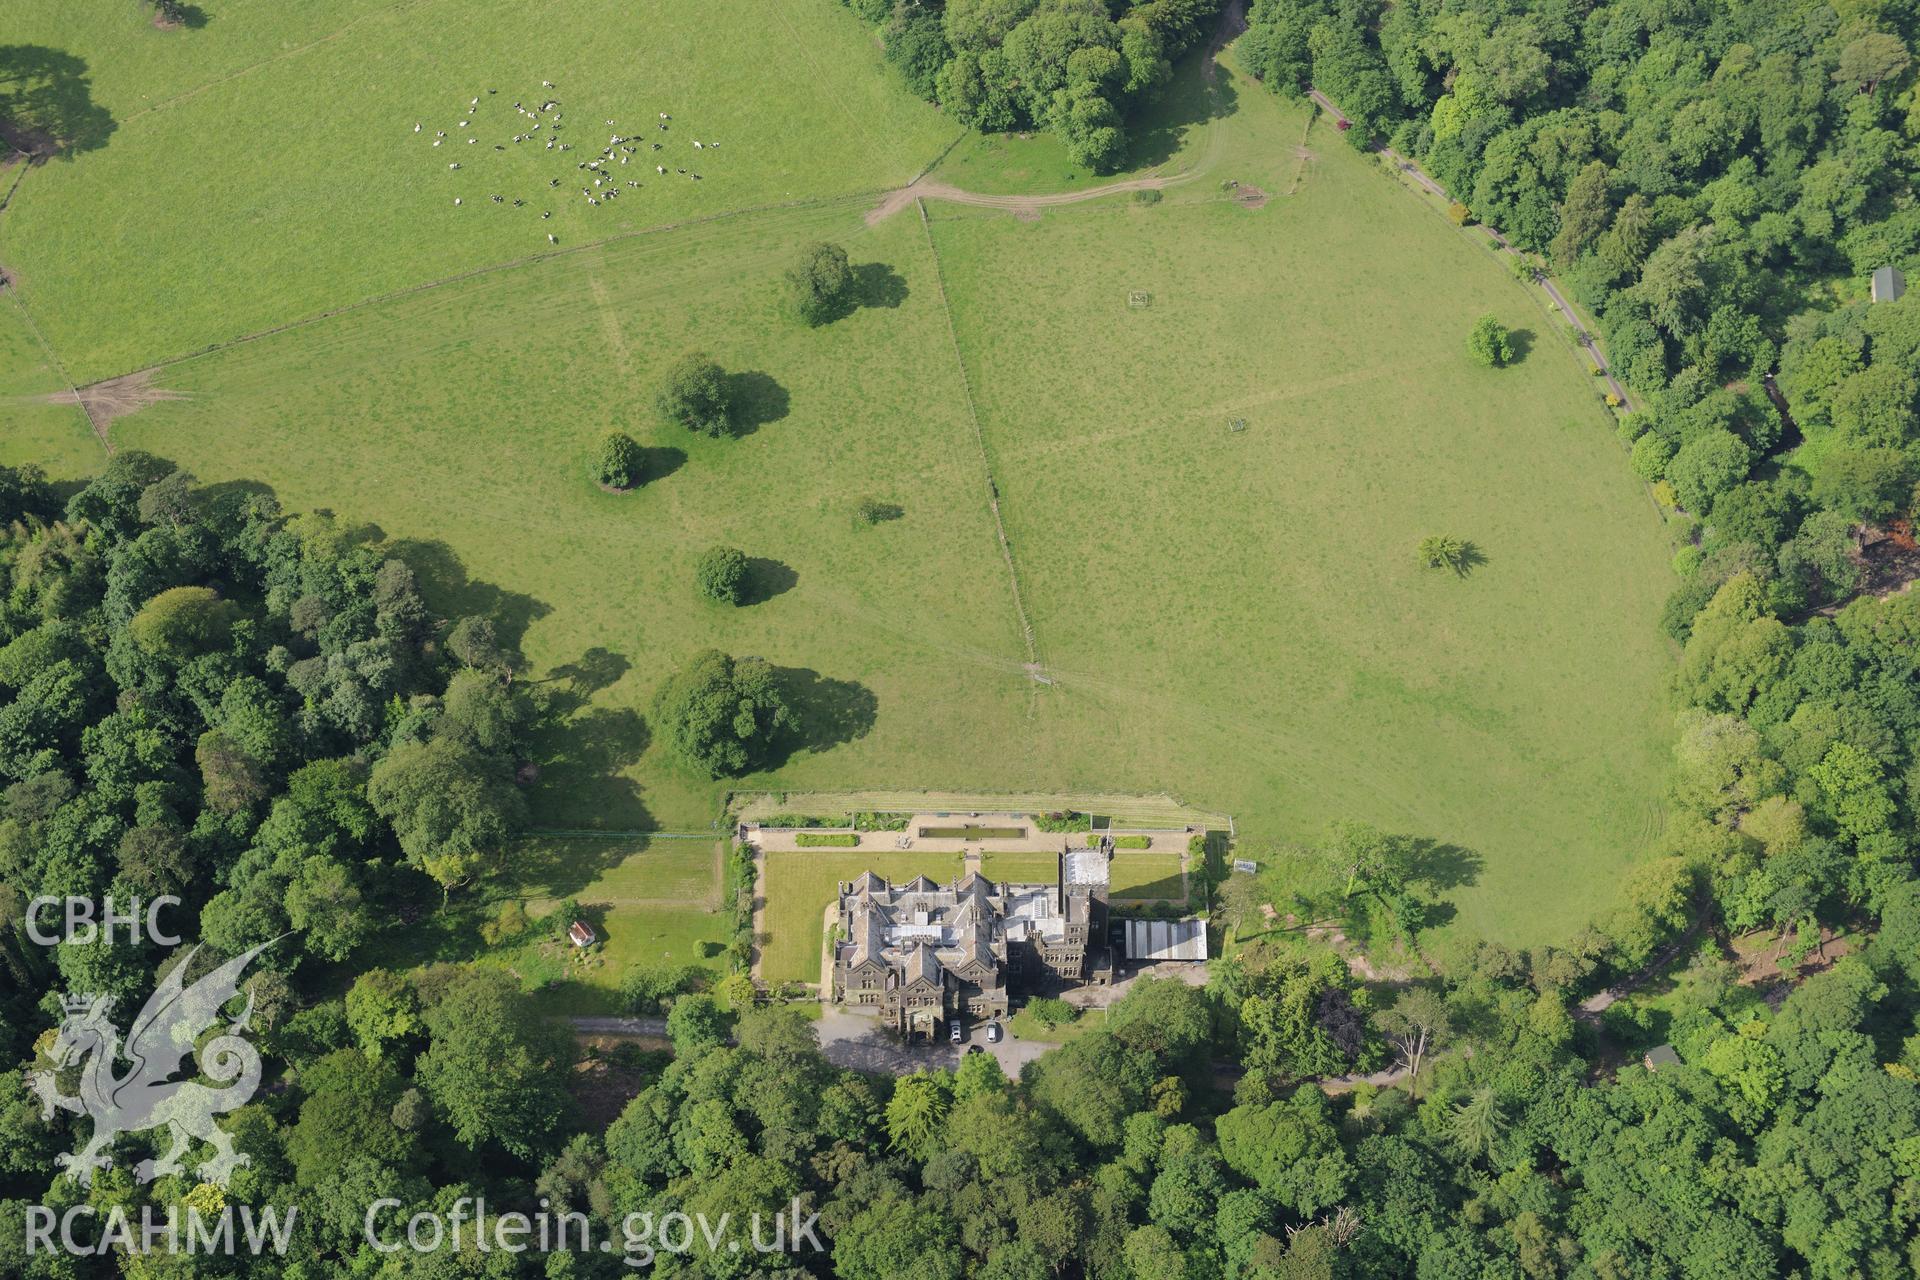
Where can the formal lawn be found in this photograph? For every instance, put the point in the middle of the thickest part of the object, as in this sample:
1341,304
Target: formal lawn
799,886
265,167
1020,868
1146,877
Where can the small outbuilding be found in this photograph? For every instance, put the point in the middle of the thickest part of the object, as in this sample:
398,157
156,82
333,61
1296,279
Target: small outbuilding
1149,940
1661,1055
581,934
1888,284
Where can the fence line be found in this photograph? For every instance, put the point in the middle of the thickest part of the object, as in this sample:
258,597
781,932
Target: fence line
980,440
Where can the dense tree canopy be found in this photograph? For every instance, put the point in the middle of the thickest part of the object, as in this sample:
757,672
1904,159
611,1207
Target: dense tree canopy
1077,67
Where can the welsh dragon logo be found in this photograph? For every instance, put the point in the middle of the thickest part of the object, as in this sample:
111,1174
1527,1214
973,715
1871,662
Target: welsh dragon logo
147,1096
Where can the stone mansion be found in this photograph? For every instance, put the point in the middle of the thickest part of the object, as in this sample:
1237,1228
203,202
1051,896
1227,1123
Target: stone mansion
923,953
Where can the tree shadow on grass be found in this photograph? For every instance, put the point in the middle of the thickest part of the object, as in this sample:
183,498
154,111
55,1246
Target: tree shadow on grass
46,104
1521,342
449,592
827,712
571,685
1446,866
190,16
657,462
1463,563
1183,106
875,284
767,579
756,399
584,759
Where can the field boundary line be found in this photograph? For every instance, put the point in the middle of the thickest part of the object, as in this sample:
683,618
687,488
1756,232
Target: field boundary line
979,440
474,273
53,359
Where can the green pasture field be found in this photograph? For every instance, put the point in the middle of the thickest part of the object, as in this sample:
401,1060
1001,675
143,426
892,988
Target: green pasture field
1285,657
1234,619
799,886
452,432
653,902
55,436
264,167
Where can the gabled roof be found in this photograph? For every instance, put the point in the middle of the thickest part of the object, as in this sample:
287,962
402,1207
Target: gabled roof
974,885
923,964
869,882
919,884
869,936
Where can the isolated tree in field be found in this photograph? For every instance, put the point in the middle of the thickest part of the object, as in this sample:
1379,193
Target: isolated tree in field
722,715
819,287
1444,551
617,464
721,575
694,395
1489,343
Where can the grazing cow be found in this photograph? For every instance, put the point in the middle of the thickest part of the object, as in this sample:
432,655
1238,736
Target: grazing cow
551,238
